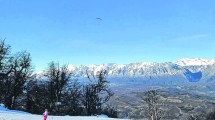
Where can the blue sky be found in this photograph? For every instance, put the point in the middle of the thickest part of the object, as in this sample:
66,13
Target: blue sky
69,31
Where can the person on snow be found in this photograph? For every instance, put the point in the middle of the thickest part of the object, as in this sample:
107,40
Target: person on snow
45,114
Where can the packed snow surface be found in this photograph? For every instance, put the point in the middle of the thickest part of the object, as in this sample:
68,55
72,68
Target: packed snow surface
6,114
16,116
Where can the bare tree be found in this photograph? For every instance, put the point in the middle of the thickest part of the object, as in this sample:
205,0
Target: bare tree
4,56
96,92
154,106
14,83
36,99
58,79
72,99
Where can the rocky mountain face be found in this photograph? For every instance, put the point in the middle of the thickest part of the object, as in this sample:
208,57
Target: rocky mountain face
129,70
192,69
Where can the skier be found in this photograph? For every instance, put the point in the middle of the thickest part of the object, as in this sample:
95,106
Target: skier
45,114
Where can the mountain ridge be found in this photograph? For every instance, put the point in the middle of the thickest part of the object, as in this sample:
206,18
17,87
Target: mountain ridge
191,69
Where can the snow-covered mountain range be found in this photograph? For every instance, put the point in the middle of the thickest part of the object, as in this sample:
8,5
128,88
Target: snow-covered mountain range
191,69
195,62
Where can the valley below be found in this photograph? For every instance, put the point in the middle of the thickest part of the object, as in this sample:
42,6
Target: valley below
179,100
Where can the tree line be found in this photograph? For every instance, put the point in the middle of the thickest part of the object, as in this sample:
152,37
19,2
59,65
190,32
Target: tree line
55,90
58,92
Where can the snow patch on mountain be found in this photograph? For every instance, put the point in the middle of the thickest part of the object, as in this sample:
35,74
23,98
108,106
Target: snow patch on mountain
128,70
191,69
195,62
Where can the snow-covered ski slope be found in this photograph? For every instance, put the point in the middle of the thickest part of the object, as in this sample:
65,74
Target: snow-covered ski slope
15,116
6,114
18,116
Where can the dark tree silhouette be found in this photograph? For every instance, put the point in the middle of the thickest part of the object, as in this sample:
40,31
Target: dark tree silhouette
4,56
96,93
36,96
4,69
58,79
72,99
14,84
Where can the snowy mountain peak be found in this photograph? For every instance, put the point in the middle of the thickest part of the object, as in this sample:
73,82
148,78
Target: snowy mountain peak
186,66
195,62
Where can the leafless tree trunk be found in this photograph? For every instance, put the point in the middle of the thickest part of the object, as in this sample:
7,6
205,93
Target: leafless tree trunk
155,111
